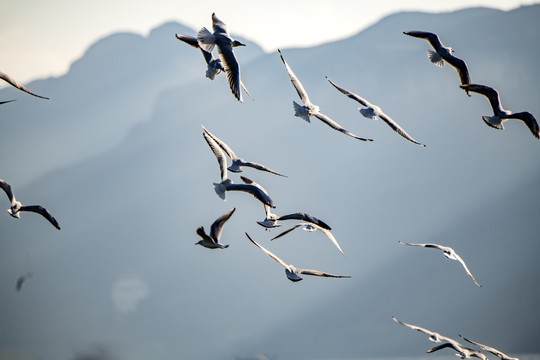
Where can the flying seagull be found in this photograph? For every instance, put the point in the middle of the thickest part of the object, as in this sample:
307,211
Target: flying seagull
226,184
312,227
495,352
449,253
221,38
272,220
462,351
433,336
211,241
501,115
309,109
21,280
17,207
372,111
18,85
291,271
443,54
237,162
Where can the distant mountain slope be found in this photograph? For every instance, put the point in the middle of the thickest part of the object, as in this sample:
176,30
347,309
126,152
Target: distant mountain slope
112,87
132,211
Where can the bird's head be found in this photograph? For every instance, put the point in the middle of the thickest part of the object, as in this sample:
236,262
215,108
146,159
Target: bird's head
236,43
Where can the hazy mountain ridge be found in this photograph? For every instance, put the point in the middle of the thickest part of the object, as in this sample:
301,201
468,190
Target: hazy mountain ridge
133,211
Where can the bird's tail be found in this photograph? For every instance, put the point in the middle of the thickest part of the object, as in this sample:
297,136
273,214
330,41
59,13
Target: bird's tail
206,39
301,111
368,113
493,121
435,58
220,189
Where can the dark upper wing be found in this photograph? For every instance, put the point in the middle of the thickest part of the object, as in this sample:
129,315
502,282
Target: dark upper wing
334,125
5,102
218,26
43,212
18,85
286,232
398,128
460,66
219,154
192,41
305,217
217,226
528,119
432,38
232,69
7,188
491,94
252,190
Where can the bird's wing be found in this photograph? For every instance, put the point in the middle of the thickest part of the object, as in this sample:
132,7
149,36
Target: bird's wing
200,231
458,258
431,38
351,95
397,128
222,145
491,94
421,245
528,119
272,255
220,155
331,237
494,351
414,327
305,217
5,102
190,40
286,231
460,66
18,85
319,273
334,125
296,83
442,346
232,69
261,167
7,188
218,26
254,191
43,212
217,226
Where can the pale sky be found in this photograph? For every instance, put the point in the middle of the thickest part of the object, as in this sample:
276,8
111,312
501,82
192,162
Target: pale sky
42,38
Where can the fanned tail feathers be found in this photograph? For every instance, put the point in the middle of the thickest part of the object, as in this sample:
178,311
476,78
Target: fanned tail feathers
435,58
301,111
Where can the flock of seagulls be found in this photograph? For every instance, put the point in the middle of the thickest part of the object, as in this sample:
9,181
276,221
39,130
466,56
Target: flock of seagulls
227,62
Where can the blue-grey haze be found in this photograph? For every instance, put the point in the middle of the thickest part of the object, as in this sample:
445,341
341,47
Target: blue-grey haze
117,155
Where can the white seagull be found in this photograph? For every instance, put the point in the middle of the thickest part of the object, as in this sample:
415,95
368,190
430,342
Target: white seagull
443,54
291,271
211,241
226,184
237,162
433,336
18,85
312,227
372,111
17,207
501,115
309,109
449,253
495,352
462,351
221,38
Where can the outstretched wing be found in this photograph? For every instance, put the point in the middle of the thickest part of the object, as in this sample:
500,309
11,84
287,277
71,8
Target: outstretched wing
398,128
43,212
305,217
217,226
334,125
222,145
218,152
254,191
528,119
458,258
296,83
491,94
18,85
319,273
431,38
272,255
351,95
7,188
261,167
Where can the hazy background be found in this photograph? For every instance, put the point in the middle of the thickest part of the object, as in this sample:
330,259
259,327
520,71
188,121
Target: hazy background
117,155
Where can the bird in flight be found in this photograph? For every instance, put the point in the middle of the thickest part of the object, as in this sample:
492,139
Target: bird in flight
18,85
211,241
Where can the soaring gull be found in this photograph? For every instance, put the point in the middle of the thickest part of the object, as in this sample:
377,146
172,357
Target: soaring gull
291,271
309,109
221,38
237,162
372,111
443,54
312,227
18,85
495,352
501,115
226,184
17,207
449,253
211,241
